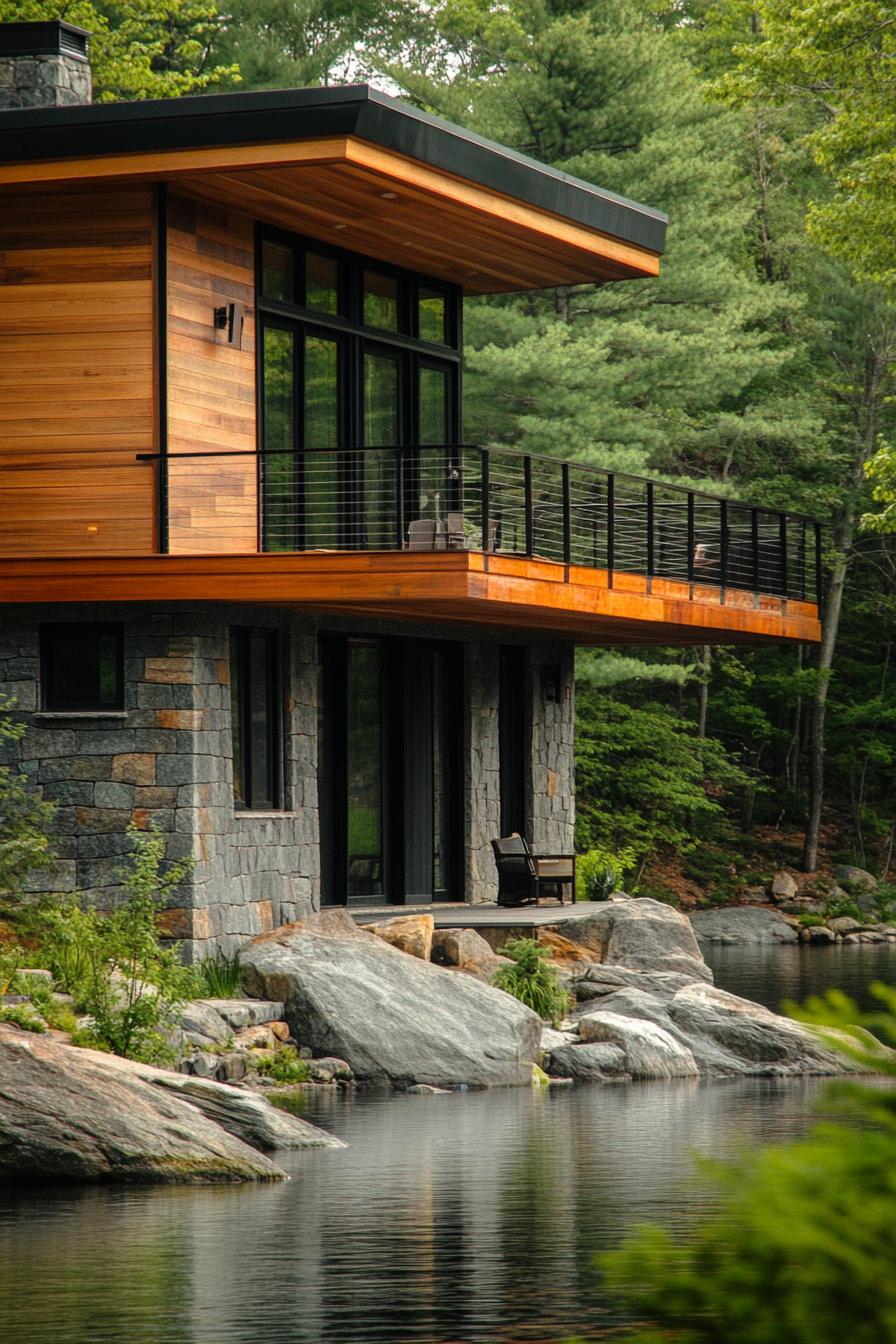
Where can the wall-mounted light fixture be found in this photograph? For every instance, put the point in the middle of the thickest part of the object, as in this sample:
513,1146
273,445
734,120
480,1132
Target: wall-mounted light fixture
551,683
229,318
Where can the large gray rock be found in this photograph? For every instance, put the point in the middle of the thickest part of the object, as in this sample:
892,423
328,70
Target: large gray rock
650,1051
203,1025
640,934
729,1035
855,880
238,1013
598,981
784,887
393,1018
737,926
595,1062
68,1114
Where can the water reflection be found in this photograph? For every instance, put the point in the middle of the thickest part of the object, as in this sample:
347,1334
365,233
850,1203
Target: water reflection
454,1219
771,974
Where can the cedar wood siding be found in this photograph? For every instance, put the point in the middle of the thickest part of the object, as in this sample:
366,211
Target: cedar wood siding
77,386
211,385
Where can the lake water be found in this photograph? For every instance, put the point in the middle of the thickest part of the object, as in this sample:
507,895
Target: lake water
460,1219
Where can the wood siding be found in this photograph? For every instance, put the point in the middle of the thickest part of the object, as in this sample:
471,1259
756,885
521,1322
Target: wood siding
211,384
76,372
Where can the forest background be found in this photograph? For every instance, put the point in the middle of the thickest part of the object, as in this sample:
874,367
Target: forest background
759,365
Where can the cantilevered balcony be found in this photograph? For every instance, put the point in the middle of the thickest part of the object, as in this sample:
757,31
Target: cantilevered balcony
465,533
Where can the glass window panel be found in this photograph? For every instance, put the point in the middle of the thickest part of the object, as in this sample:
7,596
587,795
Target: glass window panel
261,719
433,406
380,400
81,667
255,718
277,272
321,283
380,300
364,772
432,316
321,469
279,440
373,523
236,724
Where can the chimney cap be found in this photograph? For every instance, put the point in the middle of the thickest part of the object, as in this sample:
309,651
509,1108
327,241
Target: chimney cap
52,37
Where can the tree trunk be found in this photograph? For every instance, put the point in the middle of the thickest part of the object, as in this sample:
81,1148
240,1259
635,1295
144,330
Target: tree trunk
703,689
818,705
792,763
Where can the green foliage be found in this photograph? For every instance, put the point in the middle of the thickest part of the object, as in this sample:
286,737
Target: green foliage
292,1101
284,1065
881,471
643,777
22,1015
842,907
217,977
114,965
531,980
12,957
24,818
811,921
599,873
801,1250
154,49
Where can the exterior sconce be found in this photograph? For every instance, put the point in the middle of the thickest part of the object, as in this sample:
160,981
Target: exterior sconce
551,683
229,318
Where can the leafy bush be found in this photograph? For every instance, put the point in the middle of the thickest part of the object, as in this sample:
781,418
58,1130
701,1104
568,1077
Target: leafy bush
22,1015
811,921
12,956
24,820
57,1014
114,965
284,1066
842,907
599,873
217,977
803,1251
531,980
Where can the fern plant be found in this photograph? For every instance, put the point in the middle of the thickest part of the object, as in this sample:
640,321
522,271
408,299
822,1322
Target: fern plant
531,980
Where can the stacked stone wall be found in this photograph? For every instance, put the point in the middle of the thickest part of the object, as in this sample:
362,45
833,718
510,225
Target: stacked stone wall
43,81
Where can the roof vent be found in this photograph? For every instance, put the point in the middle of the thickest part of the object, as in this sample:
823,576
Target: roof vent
43,65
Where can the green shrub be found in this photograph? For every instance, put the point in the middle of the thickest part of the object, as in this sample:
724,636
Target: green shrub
802,1251
217,977
56,1014
811,921
284,1066
114,965
24,821
22,1015
531,980
841,907
599,873
12,957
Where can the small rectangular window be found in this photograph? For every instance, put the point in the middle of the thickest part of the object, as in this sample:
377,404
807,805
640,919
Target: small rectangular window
277,272
82,667
322,283
255,718
432,317
380,301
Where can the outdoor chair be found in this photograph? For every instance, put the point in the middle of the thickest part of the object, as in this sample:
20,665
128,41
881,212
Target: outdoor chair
421,535
524,878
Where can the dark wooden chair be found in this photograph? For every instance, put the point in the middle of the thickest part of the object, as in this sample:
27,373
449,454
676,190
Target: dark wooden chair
524,877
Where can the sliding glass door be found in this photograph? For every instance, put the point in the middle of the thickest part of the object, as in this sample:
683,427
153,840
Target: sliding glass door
390,771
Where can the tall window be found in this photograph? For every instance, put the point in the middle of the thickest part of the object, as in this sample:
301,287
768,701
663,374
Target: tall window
82,667
357,360
255,718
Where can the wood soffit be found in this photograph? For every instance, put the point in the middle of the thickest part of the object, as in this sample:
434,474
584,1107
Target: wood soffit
375,201
456,588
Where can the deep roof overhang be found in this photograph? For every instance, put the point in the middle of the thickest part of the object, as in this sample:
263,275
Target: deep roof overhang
71,133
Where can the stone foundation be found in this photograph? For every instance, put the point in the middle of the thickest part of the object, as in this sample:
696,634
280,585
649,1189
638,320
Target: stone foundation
166,761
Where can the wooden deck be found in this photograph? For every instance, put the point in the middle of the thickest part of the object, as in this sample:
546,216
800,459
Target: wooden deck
483,916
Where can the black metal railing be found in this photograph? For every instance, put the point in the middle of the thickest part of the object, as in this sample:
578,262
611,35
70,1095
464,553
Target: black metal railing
494,500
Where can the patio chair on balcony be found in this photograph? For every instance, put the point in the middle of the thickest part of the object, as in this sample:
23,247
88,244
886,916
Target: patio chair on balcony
524,878
421,535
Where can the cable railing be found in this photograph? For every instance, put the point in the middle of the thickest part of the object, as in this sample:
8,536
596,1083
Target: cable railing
494,500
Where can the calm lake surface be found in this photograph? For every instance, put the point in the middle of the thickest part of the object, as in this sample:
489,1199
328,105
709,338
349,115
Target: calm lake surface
457,1219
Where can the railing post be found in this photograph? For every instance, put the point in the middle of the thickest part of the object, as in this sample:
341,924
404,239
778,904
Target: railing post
650,530
754,539
567,510
399,499
162,501
818,575
692,541
723,543
611,526
782,539
486,510
527,500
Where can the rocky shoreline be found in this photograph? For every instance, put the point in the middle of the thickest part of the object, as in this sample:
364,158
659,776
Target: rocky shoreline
399,1005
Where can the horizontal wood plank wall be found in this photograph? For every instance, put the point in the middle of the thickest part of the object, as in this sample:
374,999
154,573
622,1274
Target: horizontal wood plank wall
76,372
211,385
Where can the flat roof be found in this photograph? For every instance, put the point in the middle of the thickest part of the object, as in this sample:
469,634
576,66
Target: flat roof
298,114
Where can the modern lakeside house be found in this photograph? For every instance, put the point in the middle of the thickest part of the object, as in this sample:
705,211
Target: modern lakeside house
257,589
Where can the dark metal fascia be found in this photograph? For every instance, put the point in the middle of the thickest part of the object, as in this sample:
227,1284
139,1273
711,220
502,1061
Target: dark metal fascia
251,118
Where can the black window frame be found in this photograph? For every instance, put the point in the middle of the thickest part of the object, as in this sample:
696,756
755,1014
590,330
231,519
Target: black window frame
49,702
240,646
